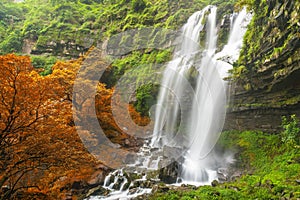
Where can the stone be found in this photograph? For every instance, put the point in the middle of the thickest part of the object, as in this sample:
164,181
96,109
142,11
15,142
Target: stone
97,178
99,190
170,173
236,175
172,152
160,188
133,190
214,183
130,158
222,174
77,185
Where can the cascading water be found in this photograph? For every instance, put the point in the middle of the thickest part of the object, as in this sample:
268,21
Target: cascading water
188,117
174,83
205,118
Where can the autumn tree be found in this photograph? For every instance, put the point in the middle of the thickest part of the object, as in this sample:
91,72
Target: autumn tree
38,143
41,150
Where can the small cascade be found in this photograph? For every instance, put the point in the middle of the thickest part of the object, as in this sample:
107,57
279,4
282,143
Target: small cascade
120,186
120,183
148,159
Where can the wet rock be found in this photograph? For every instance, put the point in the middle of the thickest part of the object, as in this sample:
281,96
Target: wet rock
188,186
214,183
274,87
147,184
126,186
118,184
97,191
225,23
160,188
236,175
77,185
132,190
68,196
170,173
172,152
130,158
111,180
222,174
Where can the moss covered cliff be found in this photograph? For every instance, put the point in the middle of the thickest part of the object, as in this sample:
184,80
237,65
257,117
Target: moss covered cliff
266,77
69,28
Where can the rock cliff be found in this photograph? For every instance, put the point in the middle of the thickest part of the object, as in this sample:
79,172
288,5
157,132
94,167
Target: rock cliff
266,80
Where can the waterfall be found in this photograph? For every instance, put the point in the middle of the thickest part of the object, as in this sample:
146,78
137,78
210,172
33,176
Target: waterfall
201,119
175,85
188,117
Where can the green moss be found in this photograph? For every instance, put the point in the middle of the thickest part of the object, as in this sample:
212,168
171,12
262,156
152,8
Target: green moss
96,20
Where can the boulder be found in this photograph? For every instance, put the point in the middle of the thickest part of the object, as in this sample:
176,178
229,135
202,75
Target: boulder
170,173
97,191
97,178
172,152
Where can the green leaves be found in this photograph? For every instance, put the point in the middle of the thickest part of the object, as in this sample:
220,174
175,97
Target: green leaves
290,134
43,62
12,43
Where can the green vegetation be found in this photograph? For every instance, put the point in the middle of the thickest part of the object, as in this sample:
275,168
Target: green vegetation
142,72
271,33
146,97
254,35
43,62
69,28
87,22
270,167
291,132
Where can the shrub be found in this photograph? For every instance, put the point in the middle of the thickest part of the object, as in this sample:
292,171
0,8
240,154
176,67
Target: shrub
43,62
290,133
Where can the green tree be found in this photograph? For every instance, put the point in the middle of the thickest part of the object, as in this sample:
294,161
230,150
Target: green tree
13,43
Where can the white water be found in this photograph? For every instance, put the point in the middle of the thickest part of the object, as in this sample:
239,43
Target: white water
205,118
175,85
199,113
120,192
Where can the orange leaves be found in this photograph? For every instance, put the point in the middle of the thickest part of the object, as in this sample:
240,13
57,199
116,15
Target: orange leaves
36,133
38,140
137,118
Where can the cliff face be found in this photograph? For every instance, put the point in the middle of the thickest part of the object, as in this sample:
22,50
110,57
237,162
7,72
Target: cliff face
266,82
70,28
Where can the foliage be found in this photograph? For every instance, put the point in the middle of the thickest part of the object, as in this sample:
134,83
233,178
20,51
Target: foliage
38,142
43,62
38,139
291,130
12,43
142,71
145,96
269,37
87,22
138,5
54,26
